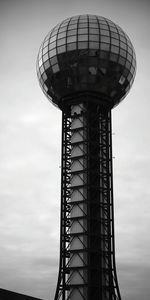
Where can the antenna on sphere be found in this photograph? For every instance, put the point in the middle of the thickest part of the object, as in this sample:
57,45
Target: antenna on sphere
86,66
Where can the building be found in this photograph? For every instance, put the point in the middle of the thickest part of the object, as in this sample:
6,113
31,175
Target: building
6,295
86,66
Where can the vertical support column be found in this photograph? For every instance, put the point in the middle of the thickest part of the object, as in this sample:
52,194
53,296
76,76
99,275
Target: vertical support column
78,263
87,252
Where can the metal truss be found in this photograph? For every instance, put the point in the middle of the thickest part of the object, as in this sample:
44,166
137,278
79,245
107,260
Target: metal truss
87,251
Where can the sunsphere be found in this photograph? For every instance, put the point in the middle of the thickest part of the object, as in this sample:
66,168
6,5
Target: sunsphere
86,53
86,66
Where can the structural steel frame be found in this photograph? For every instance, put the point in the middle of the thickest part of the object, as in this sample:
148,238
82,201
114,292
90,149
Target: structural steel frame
97,270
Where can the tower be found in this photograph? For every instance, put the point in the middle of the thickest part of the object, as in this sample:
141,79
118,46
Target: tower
86,65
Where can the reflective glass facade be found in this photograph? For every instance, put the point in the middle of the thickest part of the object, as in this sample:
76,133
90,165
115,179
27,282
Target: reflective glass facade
86,53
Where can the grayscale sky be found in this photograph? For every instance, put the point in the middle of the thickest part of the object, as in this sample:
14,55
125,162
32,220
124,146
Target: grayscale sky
30,148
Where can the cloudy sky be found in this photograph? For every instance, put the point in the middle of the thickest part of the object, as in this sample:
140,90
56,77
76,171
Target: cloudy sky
30,148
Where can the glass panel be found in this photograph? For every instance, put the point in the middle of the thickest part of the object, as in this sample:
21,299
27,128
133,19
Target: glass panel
55,68
41,81
114,35
53,33
114,49
73,22
122,61
40,62
93,70
125,72
82,45
45,50
103,26
83,37
47,64
62,29
75,18
129,44
132,69
104,55
71,32
128,65
92,52
130,51
54,60
83,31
134,56
111,23
105,47
83,25
93,25
44,76
45,57
52,46
93,45
71,39
74,26
113,29
123,53
42,69
129,57
113,57
122,80
63,25
103,70
95,22
103,22
45,87
121,31
93,37
61,49
129,76
113,93
115,42
83,17
61,35
104,32
46,43
53,39
105,39
123,39
71,47
128,39
123,46
134,62
61,42
91,17
85,21
93,30
52,52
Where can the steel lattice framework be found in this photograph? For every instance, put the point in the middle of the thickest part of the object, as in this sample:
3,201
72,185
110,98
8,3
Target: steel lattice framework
87,251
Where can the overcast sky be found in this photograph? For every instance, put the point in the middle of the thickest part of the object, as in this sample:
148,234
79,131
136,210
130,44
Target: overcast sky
30,149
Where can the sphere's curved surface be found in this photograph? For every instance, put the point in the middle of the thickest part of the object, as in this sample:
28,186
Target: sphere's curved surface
86,53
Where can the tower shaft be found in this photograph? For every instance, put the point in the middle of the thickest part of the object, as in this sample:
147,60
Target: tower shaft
87,253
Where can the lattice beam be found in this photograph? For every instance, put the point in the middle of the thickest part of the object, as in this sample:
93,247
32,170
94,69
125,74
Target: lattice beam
87,252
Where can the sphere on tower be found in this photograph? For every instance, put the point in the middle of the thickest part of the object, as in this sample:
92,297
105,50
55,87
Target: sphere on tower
86,54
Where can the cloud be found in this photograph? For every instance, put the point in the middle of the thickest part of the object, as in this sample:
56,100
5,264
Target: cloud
30,138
